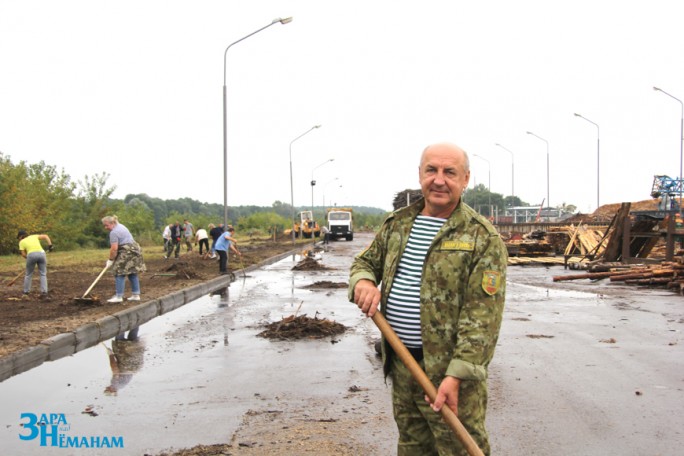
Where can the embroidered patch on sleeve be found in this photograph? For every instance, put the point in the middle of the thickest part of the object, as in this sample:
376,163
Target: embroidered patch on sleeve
491,282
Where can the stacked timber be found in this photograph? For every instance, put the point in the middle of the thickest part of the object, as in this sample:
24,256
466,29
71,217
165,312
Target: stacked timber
586,241
668,274
406,197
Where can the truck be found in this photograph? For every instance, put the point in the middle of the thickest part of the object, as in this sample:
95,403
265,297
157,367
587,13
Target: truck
340,223
305,226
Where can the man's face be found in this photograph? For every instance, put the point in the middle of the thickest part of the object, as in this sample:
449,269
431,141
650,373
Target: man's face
108,226
442,178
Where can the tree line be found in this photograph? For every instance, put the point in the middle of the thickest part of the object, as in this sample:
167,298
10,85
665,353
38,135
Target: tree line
488,203
41,199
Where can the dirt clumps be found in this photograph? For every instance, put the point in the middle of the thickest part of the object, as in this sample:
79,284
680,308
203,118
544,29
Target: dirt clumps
302,327
309,264
183,270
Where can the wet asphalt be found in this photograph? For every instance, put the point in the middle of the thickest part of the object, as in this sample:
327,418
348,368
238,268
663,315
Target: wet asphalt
581,368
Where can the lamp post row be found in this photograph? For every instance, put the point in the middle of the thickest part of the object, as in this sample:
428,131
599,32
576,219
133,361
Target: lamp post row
313,183
287,20
291,184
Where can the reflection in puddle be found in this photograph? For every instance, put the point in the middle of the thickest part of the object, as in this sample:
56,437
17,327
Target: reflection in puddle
125,359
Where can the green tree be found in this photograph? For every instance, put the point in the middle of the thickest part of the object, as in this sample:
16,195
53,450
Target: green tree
35,198
93,202
262,222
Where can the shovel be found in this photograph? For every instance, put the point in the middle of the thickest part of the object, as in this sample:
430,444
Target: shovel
85,300
244,275
447,414
11,282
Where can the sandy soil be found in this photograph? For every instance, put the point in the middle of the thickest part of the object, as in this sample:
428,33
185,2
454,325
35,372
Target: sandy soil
26,322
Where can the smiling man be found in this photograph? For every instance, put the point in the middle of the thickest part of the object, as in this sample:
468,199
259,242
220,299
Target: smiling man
442,269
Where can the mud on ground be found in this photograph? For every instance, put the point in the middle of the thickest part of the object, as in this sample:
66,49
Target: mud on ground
25,323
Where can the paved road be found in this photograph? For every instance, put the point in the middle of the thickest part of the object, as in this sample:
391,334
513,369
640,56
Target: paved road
581,368
587,369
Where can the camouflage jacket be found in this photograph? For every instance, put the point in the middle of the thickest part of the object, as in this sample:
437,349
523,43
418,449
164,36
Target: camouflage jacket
129,260
462,292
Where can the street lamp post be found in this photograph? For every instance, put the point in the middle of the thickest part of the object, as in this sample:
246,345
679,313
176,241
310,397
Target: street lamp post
326,186
313,183
489,181
291,185
681,143
225,120
598,158
548,200
512,170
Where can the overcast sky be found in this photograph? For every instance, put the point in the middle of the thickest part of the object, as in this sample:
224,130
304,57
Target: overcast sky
134,88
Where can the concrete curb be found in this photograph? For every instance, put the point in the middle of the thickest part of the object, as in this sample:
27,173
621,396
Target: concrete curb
106,328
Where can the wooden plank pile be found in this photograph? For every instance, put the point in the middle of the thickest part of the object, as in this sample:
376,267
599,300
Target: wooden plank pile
406,197
586,241
668,274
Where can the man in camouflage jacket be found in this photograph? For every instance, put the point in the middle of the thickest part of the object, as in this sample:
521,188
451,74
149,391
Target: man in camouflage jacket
462,296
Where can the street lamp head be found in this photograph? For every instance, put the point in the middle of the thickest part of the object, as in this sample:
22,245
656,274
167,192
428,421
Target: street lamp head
578,115
284,21
529,133
317,126
656,88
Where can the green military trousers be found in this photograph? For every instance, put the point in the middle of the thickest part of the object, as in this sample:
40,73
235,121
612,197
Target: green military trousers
422,431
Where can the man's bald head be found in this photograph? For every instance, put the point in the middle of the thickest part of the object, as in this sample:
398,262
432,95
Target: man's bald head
444,174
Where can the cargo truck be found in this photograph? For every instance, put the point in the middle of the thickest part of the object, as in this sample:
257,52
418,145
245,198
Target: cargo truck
340,223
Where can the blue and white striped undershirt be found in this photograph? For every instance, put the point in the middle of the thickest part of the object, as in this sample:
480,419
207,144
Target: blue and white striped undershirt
403,302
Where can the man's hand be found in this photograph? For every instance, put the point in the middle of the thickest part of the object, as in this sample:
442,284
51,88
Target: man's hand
109,264
367,296
447,393
50,247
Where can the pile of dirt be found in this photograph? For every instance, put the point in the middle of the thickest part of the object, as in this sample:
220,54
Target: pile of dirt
609,210
309,264
302,327
605,213
327,284
183,270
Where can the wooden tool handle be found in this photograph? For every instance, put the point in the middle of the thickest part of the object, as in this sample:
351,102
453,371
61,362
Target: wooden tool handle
11,282
447,414
96,280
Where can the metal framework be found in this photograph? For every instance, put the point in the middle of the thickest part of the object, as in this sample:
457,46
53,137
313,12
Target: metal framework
666,188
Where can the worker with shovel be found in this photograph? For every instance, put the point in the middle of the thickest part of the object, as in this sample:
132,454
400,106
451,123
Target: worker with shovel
31,249
225,243
443,270
125,258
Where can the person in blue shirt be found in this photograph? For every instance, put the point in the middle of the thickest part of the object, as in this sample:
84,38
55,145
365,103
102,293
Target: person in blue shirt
225,243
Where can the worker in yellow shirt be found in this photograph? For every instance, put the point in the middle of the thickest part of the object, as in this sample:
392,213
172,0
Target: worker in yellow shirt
31,249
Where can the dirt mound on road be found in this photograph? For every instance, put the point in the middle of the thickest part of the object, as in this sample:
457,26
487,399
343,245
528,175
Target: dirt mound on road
302,327
309,264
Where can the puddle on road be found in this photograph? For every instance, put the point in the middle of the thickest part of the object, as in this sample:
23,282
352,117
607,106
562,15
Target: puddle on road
522,293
